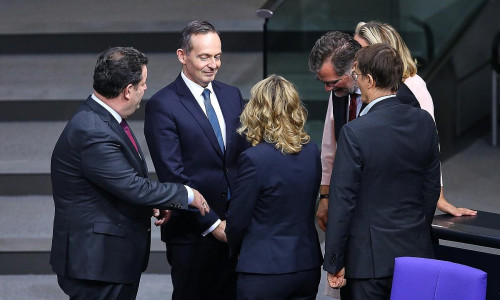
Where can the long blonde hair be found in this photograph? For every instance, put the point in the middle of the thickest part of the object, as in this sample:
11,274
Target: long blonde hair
375,32
275,115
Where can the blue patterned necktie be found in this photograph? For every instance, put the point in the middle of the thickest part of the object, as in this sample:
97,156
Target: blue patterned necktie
212,117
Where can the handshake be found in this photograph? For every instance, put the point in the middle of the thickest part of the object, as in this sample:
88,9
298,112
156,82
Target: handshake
162,216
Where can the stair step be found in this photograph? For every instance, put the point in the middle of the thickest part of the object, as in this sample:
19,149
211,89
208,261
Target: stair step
65,77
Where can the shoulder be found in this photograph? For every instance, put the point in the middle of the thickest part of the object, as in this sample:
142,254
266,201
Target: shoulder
415,82
311,148
164,100
87,126
167,92
226,90
224,86
419,88
258,150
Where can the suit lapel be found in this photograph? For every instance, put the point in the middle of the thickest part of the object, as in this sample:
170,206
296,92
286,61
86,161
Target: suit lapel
188,100
116,127
340,106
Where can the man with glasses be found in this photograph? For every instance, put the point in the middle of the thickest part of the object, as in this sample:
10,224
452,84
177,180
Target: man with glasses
331,59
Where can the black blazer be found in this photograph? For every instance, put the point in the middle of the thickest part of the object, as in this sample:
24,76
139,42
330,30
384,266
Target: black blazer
184,149
270,222
383,192
341,106
103,200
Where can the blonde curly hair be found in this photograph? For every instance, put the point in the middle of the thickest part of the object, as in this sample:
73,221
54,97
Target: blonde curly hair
275,115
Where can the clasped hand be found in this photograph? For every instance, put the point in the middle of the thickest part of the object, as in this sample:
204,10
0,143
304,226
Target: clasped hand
337,280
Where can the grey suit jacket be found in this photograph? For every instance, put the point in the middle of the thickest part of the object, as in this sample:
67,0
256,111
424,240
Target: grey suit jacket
103,200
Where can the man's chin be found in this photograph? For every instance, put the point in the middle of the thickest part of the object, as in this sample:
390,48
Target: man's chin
341,93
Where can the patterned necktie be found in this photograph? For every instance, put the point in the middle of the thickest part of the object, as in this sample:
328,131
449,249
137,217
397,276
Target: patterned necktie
129,134
352,107
212,117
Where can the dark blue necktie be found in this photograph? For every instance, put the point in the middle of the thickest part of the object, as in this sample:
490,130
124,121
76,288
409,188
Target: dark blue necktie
212,117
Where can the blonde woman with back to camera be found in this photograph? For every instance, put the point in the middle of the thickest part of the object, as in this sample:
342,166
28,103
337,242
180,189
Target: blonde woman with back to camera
270,220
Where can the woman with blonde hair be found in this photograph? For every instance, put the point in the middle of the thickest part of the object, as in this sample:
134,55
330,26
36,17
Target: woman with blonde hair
374,32
270,220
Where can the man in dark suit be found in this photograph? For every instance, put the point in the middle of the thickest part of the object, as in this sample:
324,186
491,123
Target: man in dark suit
190,128
385,182
103,198
331,60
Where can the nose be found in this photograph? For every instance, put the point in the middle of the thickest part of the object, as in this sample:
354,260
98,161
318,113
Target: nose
212,64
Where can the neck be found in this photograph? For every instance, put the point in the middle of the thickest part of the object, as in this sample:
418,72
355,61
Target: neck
377,94
114,103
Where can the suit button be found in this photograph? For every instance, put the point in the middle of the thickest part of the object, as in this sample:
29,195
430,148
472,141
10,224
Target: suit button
149,229
334,261
224,194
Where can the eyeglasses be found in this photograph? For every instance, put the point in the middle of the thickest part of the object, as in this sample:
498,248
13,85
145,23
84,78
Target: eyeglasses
331,84
355,76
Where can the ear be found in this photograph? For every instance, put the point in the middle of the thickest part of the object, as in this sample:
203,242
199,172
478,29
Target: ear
371,82
127,91
181,56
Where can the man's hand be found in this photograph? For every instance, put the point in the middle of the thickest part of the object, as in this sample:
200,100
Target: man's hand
336,280
219,232
200,202
162,216
322,213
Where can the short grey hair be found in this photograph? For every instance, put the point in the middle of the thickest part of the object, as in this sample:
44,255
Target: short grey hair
337,46
193,28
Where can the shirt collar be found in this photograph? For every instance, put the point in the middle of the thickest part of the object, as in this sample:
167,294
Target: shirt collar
195,88
111,111
371,104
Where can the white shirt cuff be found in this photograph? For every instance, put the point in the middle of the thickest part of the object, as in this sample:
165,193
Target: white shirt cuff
209,230
190,194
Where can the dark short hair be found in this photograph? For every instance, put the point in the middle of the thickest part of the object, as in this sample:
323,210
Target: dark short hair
193,28
116,68
383,63
337,46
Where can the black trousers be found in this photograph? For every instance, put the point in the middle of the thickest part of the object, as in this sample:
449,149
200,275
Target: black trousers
78,289
202,271
301,285
362,289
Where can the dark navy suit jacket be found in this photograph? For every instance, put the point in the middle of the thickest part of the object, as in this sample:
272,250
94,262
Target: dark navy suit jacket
383,192
103,200
184,149
270,222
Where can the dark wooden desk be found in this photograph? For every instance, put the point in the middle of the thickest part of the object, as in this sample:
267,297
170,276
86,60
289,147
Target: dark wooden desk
482,229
